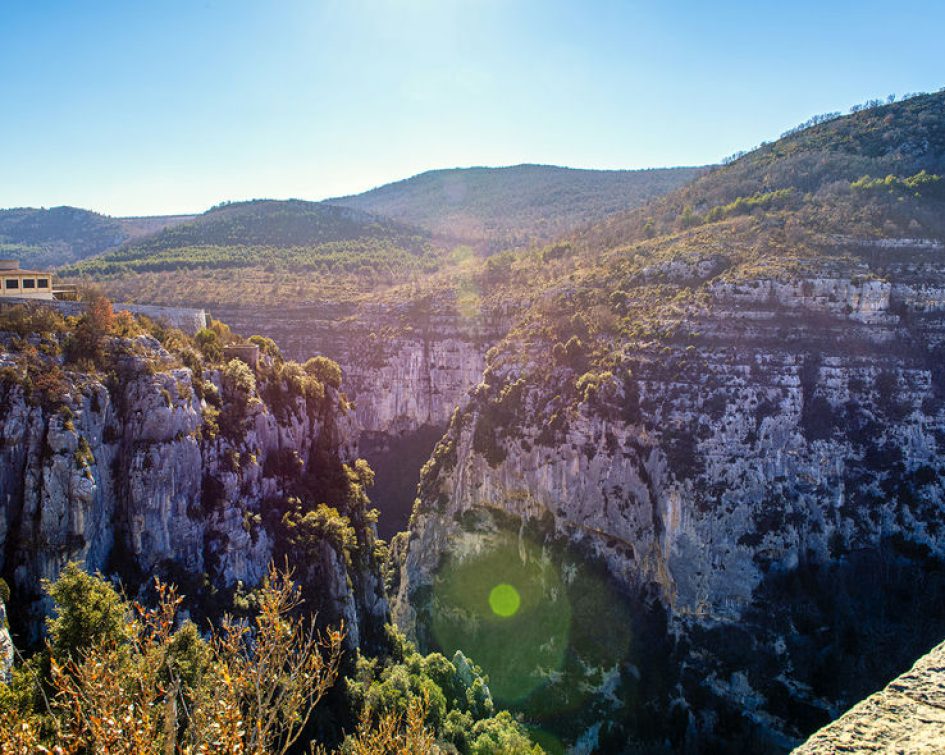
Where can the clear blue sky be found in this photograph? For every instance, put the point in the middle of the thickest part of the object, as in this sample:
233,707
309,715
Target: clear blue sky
173,105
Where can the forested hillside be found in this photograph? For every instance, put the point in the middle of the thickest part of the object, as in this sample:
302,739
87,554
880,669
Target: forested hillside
246,250
56,236
512,206
64,235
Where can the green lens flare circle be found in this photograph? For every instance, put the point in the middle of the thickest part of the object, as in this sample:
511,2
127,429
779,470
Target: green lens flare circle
504,600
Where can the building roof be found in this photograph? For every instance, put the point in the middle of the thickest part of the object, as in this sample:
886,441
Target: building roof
20,271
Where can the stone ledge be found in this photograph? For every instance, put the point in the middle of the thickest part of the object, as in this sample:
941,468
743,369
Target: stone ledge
908,716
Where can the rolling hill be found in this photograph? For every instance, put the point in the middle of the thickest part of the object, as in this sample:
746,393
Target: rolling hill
516,205
238,251
872,172
64,235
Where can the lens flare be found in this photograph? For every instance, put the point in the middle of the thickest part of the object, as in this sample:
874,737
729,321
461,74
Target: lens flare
504,600
506,607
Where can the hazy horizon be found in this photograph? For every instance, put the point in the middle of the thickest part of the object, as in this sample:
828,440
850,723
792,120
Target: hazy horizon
228,200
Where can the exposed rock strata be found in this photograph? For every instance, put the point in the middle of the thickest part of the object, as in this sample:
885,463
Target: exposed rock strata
782,424
406,365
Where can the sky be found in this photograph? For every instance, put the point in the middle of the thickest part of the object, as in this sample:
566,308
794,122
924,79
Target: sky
171,106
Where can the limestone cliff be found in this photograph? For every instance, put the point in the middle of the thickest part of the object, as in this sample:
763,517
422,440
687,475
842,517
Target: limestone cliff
408,360
152,468
768,425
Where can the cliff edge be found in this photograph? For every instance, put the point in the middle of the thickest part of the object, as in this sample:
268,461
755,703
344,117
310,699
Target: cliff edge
907,716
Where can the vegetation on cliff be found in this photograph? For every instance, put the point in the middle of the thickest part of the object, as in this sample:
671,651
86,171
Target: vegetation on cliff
221,665
664,365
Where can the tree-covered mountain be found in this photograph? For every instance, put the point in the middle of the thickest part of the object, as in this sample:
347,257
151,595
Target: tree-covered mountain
511,206
64,235
293,240
875,172
42,237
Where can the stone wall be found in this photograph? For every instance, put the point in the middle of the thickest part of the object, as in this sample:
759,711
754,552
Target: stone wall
187,319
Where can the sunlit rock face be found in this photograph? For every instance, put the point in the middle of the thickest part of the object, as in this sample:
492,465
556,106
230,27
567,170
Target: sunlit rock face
6,646
790,433
127,477
406,364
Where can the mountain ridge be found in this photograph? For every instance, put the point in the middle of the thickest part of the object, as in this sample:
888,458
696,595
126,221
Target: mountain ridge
516,204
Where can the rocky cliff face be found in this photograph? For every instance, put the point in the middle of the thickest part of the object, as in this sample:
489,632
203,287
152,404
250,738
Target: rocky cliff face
775,429
407,362
155,470
6,646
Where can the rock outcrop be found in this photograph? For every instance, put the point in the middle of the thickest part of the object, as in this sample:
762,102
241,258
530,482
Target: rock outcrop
407,364
157,471
907,716
6,645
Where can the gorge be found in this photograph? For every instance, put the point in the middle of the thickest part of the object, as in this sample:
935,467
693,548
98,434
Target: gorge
672,479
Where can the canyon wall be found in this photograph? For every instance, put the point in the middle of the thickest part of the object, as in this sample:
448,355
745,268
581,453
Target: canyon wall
155,471
407,365
785,429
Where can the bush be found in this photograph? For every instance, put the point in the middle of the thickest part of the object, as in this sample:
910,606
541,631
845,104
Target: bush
453,695
266,346
153,684
238,378
325,369
87,612
209,344
239,389
307,530
87,341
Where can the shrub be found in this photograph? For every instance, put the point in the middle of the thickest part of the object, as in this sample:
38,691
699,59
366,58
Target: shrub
307,530
123,678
266,346
209,344
325,369
88,612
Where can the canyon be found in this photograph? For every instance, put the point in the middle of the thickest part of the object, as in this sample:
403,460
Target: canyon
675,480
